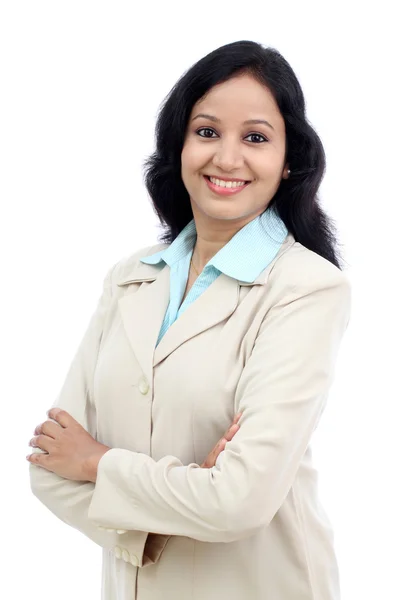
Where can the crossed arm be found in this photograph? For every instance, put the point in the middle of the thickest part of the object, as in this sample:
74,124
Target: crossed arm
281,394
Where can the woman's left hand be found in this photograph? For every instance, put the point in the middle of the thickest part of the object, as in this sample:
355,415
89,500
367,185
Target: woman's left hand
72,453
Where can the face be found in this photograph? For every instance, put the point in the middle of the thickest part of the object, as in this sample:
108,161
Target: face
222,145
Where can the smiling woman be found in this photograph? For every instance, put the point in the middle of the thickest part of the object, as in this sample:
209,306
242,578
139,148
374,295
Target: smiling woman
205,369
234,151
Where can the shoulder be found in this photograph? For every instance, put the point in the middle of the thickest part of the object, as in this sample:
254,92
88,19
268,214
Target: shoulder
299,270
127,265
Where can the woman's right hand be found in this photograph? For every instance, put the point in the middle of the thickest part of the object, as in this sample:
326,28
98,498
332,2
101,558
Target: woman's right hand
219,447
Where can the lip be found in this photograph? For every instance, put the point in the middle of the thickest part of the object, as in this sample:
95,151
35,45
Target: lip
226,178
224,191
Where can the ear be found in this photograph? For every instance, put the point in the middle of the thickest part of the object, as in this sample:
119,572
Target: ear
285,174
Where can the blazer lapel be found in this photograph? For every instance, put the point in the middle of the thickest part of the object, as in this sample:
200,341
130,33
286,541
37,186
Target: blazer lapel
214,305
143,311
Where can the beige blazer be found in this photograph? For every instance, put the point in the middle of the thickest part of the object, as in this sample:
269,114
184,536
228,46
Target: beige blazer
251,528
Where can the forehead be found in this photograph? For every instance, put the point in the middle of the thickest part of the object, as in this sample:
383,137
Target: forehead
239,99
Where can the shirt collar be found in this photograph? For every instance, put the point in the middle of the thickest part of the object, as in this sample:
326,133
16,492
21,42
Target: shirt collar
246,254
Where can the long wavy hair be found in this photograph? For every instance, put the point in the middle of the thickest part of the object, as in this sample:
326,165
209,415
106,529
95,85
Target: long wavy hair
296,200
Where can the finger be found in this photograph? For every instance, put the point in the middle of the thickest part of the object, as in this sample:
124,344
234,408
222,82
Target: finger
41,441
216,452
220,446
48,428
236,419
231,432
235,422
212,457
39,459
51,429
228,431
61,416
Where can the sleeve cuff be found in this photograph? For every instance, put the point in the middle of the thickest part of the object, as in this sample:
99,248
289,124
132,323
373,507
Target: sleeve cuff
140,548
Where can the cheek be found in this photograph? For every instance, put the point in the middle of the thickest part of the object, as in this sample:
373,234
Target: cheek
267,168
186,162
194,157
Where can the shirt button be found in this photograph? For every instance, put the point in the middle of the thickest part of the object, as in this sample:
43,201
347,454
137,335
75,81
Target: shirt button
117,551
125,555
143,386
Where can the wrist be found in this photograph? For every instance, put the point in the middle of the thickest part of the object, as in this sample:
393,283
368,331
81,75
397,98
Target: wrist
93,463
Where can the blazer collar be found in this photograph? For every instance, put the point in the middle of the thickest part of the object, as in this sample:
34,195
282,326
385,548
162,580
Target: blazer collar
151,300
136,271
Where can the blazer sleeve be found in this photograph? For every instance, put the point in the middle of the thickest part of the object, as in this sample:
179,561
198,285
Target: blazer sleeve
70,500
282,392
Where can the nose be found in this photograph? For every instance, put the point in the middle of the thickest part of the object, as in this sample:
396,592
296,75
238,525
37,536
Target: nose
228,157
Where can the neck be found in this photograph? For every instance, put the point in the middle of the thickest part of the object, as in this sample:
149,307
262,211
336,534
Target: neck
213,234
207,246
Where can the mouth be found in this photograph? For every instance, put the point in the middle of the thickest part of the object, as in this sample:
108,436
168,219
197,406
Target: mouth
227,180
225,191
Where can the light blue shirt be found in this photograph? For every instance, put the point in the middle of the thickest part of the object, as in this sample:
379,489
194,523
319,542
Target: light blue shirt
246,254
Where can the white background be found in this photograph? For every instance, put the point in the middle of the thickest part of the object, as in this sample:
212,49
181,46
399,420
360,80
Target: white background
81,83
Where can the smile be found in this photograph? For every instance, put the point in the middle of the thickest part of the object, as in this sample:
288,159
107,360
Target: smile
225,188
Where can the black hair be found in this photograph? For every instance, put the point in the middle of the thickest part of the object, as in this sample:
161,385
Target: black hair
296,200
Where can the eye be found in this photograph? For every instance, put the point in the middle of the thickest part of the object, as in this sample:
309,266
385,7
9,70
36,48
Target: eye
257,135
205,129
264,139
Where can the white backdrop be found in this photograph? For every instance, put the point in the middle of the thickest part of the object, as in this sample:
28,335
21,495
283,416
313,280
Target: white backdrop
81,83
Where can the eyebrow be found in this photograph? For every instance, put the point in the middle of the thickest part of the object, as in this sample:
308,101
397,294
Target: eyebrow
248,122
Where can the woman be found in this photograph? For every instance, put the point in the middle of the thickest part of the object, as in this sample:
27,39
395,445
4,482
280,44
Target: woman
235,318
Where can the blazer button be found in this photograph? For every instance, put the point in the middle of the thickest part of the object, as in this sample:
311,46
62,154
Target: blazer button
143,386
125,555
117,551
134,560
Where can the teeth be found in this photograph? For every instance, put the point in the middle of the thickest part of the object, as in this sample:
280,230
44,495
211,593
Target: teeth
227,184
